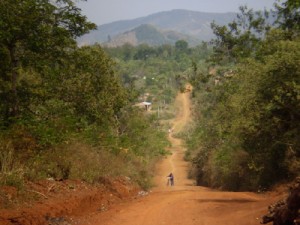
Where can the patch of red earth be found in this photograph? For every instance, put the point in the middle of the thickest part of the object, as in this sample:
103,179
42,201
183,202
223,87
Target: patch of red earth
61,202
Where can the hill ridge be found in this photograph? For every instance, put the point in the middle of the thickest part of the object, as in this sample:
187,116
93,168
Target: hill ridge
150,35
193,24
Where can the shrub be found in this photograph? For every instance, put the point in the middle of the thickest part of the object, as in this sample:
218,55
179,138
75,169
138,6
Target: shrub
11,171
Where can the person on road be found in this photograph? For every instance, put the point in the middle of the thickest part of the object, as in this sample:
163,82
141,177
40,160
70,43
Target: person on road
170,179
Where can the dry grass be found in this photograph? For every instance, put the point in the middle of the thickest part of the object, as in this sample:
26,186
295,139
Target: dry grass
84,162
11,171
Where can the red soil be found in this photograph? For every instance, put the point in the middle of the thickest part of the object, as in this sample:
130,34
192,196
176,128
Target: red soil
120,202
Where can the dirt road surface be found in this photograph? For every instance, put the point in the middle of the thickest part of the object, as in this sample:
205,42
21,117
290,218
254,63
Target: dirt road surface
184,203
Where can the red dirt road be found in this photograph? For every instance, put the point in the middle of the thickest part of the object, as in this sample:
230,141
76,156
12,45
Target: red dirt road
115,201
184,203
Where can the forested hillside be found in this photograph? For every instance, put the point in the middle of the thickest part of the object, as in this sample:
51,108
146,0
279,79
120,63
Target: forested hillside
150,35
194,24
247,121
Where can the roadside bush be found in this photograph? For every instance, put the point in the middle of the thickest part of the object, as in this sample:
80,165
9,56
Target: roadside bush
84,162
11,171
67,161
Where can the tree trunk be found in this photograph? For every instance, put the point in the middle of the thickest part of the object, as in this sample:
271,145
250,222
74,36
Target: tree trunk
14,102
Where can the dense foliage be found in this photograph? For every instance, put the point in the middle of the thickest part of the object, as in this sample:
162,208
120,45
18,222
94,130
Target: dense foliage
247,108
64,112
158,72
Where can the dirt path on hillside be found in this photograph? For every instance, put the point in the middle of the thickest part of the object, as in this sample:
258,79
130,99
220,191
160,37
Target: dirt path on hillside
184,203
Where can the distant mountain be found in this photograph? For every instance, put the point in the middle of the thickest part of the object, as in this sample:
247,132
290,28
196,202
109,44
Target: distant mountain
190,24
148,34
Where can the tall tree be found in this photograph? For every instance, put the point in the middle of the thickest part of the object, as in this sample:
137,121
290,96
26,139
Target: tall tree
240,38
249,126
289,16
32,32
181,45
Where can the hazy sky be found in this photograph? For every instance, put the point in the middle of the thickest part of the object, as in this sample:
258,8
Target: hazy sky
106,11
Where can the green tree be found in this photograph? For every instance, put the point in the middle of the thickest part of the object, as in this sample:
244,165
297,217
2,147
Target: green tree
144,52
93,87
33,33
248,123
289,15
181,45
241,37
